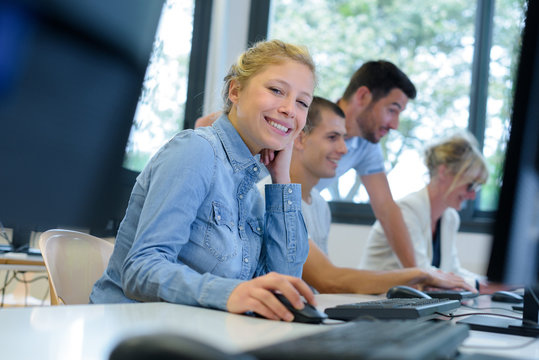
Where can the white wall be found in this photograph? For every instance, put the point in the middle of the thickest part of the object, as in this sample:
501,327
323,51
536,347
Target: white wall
228,39
346,242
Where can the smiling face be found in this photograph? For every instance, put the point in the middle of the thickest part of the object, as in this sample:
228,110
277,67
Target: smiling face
381,116
324,146
270,109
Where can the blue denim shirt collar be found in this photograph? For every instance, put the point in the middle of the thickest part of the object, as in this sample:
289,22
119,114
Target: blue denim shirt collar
236,150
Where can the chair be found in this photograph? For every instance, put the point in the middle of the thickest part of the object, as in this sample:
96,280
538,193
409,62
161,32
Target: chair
74,262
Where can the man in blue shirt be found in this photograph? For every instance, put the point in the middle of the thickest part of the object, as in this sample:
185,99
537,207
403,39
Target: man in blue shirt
372,102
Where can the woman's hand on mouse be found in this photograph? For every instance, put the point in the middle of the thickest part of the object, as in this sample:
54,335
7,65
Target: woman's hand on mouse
256,295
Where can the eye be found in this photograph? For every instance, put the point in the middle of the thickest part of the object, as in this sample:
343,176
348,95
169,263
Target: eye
276,90
304,104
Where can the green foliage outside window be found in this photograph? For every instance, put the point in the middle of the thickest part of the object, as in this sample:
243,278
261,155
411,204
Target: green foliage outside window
433,42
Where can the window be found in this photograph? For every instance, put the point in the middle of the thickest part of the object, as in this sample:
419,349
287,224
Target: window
436,45
161,109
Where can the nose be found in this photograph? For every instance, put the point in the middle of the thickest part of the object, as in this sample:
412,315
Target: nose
342,149
288,107
394,123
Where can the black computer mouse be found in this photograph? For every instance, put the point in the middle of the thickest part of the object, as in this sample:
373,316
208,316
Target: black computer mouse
309,314
507,297
403,291
167,346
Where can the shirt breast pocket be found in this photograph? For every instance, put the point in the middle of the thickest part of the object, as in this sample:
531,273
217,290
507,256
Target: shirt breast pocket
257,233
221,238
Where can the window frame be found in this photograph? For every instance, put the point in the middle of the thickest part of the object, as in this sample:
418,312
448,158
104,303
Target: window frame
198,62
472,219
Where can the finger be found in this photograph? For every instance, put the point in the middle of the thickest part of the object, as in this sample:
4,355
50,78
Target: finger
293,288
263,310
272,306
305,290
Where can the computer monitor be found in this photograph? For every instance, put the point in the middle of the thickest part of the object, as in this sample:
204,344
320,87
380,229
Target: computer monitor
71,73
514,258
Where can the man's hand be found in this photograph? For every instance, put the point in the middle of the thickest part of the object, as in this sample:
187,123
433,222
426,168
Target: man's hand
444,280
207,120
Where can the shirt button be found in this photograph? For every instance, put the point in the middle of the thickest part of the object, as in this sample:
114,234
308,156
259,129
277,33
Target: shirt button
240,228
289,202
241,196
245,260
255,169
258,229
289,190
218,217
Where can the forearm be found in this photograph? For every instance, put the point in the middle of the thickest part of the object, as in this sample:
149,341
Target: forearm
348,280
325,277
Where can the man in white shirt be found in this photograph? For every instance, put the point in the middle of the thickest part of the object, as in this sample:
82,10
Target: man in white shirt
318,149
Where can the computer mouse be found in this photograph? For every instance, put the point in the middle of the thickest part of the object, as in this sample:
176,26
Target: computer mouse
309,314
403,291
167,346
507,297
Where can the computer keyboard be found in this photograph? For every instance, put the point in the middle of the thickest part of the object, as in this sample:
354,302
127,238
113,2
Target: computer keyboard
452,294
375,339
396,308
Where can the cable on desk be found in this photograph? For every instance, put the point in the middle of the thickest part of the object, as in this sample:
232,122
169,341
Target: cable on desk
491,308
509,347
452,316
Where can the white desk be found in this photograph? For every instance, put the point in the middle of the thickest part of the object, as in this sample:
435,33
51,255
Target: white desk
91,331
21,262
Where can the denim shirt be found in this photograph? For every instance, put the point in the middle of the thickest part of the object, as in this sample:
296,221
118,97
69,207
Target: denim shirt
196,226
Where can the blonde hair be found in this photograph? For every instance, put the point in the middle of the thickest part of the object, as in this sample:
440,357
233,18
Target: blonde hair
260,55
460,154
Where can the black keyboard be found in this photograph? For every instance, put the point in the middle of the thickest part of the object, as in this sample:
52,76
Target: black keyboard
396,308
364,339
452,294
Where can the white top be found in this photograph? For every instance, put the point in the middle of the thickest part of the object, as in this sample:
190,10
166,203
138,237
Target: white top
379,255
317,219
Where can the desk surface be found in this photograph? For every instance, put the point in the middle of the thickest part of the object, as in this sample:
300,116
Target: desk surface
21,262
91,331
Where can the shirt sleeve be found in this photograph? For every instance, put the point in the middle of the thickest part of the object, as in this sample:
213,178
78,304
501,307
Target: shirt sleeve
151,270
285,245
371,161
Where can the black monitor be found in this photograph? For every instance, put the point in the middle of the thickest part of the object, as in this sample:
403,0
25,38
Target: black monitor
71,73
514,258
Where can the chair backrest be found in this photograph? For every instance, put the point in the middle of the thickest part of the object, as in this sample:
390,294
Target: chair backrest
74,262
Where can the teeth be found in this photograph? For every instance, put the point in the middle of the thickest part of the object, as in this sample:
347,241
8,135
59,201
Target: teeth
278,126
